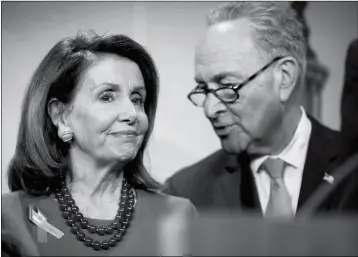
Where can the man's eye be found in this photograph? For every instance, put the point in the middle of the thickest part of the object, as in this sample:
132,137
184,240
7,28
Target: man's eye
228,84
107,96
200,87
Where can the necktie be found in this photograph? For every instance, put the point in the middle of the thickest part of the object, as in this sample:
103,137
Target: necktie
279,204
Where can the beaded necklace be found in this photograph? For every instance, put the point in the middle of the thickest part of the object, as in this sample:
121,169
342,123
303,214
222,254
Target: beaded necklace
75,220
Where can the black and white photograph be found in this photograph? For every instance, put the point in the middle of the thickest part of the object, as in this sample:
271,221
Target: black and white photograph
179,128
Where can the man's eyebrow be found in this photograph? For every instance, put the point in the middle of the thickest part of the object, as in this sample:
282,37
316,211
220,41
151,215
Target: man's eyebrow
223,75
220,76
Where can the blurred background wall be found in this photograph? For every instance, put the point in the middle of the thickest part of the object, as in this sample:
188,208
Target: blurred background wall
169,30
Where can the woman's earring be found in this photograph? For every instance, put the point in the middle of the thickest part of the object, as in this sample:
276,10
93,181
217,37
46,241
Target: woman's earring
66,135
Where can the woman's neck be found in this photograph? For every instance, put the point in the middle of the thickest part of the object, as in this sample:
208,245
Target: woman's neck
93,179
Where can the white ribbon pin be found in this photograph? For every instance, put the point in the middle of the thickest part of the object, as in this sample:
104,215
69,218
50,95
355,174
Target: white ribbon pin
328,178
36,217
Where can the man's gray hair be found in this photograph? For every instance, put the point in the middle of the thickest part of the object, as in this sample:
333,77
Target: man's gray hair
277,31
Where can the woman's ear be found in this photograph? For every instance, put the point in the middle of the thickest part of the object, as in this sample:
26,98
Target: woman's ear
289,74
58,113
56,109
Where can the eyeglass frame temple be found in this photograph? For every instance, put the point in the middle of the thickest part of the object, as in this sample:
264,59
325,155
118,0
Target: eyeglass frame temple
253,76
239,86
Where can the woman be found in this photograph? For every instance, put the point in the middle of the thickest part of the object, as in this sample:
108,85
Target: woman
78,180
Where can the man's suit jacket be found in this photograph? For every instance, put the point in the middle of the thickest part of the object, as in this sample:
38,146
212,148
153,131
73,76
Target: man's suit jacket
349,102
225,182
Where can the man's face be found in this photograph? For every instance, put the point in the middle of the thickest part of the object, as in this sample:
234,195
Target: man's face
228,56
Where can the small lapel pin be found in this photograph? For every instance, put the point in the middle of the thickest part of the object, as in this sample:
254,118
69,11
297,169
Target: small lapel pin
328,178
39,219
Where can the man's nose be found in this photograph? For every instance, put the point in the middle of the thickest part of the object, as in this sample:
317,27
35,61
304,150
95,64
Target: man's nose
213,106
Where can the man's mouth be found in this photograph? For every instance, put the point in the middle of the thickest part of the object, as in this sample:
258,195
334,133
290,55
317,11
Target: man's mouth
223,130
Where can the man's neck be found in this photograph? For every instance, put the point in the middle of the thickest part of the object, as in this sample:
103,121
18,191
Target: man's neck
282,136
289,126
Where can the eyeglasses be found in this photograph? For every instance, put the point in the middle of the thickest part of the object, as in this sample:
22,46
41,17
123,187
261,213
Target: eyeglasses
228,94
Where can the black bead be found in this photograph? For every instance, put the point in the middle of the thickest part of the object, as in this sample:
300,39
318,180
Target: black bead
101,231
84,224
72,216
88,241
118,237
61,200
128,216
122,231
58,195
70,202
65,190
96,245
112,242
116,224
122,205
79,216
124,197
81,236
124,191
66,214
63,207
105,245
109,229
74,209
130,202
125,224
75,229
66,196
70,221
92,228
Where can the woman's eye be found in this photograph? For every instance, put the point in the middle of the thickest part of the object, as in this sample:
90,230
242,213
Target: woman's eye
107,96
138,100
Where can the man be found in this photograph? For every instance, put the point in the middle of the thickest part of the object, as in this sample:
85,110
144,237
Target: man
249,68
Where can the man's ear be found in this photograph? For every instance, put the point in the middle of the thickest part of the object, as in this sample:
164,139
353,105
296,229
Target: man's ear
287,74
56,110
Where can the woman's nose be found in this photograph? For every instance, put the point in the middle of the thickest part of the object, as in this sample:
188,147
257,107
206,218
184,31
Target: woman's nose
128,113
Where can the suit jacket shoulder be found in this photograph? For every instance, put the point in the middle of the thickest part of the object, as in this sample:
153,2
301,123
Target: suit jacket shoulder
187,180
325,138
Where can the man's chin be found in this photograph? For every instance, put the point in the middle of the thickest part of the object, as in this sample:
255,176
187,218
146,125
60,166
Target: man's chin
231,147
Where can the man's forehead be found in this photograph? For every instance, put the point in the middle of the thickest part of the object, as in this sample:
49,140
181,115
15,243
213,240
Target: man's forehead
225,37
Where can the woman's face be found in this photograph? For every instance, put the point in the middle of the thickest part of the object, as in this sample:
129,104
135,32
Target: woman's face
107,115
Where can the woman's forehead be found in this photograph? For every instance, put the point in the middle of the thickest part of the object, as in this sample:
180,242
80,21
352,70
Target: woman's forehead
114,69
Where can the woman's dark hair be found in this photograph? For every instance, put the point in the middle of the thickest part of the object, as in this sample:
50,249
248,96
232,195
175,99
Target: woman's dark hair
41,158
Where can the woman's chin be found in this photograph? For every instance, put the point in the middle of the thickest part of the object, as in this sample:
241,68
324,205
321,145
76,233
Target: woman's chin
126,156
